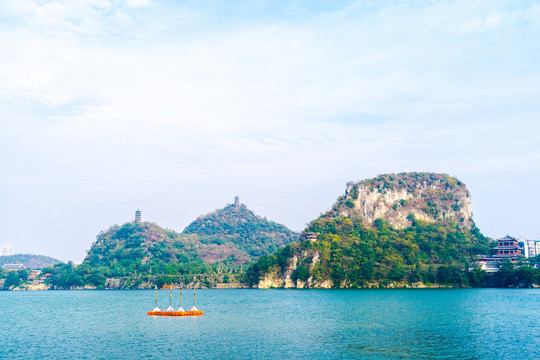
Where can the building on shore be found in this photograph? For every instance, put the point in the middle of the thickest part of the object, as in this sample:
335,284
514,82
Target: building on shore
508,248
489,264
13,267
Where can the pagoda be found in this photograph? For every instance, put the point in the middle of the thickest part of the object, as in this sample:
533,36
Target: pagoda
508,248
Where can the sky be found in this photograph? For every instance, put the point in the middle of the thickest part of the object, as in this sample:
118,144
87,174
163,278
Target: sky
176,107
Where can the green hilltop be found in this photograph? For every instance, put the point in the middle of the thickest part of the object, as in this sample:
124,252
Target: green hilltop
140,254
236,235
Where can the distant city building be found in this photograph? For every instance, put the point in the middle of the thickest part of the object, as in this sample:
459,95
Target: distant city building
508,248
6,250
528,244
236,201
12,267
138,216
533,247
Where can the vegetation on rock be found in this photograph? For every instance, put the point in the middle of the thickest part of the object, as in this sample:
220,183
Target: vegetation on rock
393,197
350,254
352,250
139,254
12,279
213,249
235,235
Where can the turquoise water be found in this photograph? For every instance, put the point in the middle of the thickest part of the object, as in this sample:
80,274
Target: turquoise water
274,324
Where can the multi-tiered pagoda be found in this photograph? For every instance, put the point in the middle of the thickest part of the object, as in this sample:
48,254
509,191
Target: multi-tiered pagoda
508,248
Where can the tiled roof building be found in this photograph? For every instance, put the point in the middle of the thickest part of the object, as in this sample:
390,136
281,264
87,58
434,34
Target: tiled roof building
10,267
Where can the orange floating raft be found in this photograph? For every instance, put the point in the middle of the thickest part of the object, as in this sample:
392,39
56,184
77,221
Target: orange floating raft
171,312
176,313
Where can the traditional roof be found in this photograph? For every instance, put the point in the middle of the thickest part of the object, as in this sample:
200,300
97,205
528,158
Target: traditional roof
13,267
507,238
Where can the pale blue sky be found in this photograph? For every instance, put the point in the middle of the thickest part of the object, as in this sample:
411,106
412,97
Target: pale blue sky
176,107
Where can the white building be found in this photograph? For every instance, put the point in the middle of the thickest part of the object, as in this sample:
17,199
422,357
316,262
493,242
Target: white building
489,265
6,250
533,247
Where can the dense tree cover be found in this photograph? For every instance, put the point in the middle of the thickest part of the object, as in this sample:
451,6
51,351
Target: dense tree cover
136,253
12,279
535,259
143,248
30,261
510,275
146,255
240,228
63,276
353,255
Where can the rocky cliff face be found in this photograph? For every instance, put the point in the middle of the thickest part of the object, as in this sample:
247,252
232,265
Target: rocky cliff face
397,197
275,279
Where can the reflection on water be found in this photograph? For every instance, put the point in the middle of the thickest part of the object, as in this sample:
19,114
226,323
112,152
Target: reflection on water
274,324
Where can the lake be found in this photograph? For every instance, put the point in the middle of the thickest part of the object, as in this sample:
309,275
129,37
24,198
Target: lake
273,324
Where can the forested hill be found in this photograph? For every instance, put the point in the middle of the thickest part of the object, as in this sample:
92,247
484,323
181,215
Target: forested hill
138,254
234,234
29,260
408,228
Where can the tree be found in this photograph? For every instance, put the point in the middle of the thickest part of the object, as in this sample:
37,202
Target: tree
12,280
476,277
301,273
527,276
506,276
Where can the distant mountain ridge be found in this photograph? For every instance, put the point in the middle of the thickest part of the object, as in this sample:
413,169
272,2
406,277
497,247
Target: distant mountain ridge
29,260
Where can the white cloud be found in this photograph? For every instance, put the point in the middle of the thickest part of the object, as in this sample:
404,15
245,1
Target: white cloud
137,3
